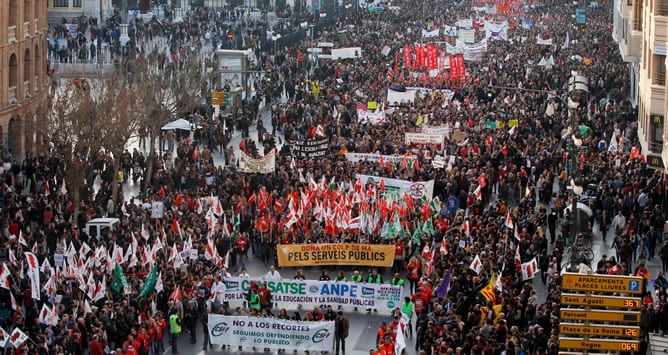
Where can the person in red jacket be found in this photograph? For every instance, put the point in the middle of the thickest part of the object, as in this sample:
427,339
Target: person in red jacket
94,346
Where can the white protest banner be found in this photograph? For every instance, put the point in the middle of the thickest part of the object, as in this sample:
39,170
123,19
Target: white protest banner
264,165
310,293
430,34
466,35
399,97
346,53
414,139
271,333
543,42
396,187
439,130
357,157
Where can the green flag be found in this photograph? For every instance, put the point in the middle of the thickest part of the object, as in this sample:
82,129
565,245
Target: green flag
149,285
118,281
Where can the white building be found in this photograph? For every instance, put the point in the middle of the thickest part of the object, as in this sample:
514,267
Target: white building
57,10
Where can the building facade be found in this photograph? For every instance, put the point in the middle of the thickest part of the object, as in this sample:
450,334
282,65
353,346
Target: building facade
651,16
69,9
627,32
24,75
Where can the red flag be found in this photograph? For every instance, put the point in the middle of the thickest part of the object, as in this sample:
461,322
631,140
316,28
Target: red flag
161,193
251,199
178,200
381,186
461,66
196,153
396,62
176,229
176,295
407,57
482,181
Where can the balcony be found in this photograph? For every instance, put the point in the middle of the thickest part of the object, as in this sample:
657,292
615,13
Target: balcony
660,30
36,25
11,34
26,89
11,94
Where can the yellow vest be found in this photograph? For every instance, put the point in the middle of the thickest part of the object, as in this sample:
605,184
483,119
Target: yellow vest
174,326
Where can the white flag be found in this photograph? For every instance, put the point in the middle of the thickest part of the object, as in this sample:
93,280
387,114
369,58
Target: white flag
476,265
33,274
17,338
4,337
529,269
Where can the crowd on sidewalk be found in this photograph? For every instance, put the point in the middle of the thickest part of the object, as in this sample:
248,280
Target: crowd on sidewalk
493,198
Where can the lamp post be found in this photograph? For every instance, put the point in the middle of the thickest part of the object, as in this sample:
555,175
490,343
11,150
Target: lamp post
577,86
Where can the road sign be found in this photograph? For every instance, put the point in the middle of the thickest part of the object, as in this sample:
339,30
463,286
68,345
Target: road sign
601,301
599,344
603,330
230,35
601,316
218,95
601,283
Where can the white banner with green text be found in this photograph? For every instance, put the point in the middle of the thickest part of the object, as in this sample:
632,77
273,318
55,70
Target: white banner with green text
271,333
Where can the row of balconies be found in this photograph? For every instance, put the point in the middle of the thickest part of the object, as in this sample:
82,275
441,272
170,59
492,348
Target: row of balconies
12,33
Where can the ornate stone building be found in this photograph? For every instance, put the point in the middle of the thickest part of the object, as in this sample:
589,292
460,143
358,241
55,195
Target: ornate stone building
24,83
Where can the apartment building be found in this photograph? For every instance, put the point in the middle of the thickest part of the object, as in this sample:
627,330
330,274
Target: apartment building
23,72
651,17
69,9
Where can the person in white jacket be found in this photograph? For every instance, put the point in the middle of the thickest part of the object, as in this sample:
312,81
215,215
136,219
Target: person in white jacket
619,223
273,274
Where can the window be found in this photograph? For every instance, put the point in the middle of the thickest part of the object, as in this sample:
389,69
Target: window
61,3
13,71
27,12
629,2
77,3
13,12
661,8
659,69
656,140
637,15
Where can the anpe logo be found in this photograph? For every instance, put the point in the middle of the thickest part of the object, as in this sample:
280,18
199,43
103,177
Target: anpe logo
313,289
231,285
219,329
368,291
320,336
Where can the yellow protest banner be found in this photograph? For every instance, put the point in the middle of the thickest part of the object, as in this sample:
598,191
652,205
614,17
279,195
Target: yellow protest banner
513,123
371,105
335,254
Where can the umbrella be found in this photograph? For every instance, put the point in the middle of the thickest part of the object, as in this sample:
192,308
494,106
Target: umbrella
581,207
181,124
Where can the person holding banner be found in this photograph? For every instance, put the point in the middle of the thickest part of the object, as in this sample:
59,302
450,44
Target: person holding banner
374,278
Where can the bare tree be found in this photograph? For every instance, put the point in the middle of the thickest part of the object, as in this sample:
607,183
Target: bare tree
176,87
87,116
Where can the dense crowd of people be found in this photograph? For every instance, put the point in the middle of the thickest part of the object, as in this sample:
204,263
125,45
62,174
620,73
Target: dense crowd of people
496,174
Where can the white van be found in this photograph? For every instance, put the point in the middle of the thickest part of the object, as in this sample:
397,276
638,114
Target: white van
95,228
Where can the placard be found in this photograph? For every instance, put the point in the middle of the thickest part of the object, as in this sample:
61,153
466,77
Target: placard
271,333
309,148
157,209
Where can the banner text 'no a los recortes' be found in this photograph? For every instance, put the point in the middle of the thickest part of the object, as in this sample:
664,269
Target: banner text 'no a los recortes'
306,149
335,254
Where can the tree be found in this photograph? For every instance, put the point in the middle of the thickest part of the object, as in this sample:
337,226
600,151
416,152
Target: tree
177,86
88,116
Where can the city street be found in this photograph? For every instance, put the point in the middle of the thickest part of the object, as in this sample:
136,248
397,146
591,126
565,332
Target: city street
363,326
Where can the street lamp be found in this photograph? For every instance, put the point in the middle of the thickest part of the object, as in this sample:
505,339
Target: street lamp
577,85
